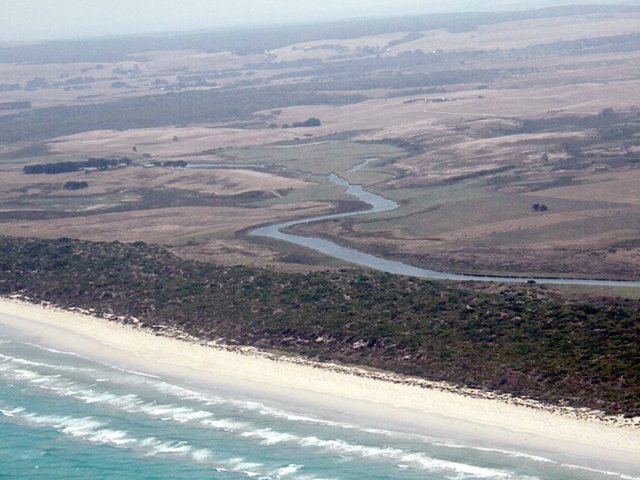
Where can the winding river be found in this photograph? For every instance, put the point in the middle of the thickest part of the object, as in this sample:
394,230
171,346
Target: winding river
381,204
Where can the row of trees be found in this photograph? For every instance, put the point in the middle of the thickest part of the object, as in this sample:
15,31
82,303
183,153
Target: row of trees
73,185
539,207
100,164
309,122
171,164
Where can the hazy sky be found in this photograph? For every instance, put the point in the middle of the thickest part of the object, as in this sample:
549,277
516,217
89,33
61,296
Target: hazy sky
28,20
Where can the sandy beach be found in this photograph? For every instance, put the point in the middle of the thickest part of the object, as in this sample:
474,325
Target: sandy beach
338,393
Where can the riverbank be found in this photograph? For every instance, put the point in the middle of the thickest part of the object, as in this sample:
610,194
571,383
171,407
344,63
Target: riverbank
341,393
379,204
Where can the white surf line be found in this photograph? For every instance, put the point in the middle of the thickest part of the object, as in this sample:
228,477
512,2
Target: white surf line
379,204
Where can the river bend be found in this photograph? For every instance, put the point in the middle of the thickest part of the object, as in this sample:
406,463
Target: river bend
378,204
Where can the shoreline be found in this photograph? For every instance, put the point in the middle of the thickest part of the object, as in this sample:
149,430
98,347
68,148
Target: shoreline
389,401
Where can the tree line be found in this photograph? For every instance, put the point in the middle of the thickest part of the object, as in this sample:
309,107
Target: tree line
100,164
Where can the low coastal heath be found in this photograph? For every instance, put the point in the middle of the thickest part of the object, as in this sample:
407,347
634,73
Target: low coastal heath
86,398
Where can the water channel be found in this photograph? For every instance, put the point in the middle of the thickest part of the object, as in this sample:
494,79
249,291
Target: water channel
379,204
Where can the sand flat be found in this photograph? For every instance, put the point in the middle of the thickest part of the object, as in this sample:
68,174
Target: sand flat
331,391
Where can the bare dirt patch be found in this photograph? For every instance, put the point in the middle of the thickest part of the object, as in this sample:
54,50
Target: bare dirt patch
242,251
166,142
525,33
166,226
220,182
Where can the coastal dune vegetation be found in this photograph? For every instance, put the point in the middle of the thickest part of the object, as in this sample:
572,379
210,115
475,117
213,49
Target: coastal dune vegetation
526,340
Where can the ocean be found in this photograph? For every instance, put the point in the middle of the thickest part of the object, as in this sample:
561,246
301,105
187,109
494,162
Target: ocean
65,416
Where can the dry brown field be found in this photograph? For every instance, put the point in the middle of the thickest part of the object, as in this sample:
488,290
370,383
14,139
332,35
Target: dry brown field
554,122
164,142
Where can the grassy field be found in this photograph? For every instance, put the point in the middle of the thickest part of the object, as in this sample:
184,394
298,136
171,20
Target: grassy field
318,160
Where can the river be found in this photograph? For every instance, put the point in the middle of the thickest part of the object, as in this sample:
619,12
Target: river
377,204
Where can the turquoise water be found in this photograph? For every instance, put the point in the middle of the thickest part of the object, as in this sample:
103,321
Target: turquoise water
65,416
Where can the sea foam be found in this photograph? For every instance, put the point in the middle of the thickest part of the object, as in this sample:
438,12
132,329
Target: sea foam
602,472
510,453
85,428
129,403
415,460
23,361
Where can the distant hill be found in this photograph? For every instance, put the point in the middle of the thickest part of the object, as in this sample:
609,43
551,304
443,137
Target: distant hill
259,39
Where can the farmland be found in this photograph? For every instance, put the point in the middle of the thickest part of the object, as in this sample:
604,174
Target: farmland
468,122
